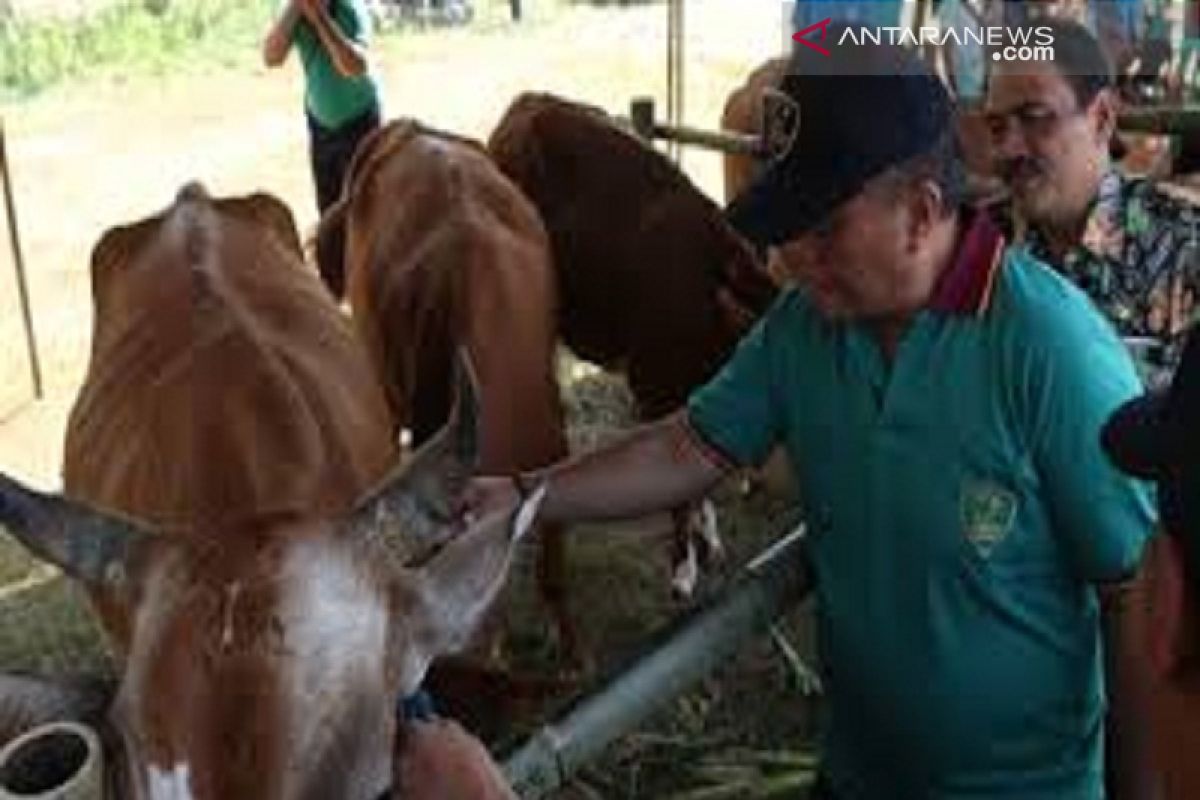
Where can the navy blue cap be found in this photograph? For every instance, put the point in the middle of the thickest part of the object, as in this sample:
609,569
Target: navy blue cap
1159,432
838,121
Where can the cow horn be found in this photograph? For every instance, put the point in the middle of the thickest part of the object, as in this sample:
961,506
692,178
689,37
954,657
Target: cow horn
418,499
88,545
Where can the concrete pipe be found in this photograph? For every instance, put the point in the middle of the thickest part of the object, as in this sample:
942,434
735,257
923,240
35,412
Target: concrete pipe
59,761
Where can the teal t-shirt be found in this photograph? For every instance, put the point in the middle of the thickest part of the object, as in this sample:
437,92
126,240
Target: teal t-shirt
330,97
960,509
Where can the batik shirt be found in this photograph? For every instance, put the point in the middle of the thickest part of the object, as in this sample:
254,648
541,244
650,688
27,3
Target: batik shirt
1139,260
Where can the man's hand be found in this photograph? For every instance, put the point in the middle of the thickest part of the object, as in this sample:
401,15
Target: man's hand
486,496
441,761
309,7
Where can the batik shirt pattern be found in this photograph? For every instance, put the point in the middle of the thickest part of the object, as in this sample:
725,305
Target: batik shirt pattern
1139,260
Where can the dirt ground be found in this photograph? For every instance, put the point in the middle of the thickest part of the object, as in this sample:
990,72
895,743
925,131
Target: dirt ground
92,155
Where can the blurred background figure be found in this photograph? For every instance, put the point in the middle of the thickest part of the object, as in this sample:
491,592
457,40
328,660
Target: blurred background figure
341,96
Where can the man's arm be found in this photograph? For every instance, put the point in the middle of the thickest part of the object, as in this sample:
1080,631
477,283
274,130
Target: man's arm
656,467
653,468
732,420
441,761
348,57
1128,727
278,41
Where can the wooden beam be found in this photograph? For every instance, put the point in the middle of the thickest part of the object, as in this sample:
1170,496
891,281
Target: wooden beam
10,207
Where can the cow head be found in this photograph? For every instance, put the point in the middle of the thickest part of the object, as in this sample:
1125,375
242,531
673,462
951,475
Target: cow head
265,662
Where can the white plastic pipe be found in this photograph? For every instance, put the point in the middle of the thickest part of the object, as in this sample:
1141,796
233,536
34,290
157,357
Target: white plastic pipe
59,761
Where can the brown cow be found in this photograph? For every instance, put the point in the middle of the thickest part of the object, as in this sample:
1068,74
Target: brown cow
226,502
652,280
442,252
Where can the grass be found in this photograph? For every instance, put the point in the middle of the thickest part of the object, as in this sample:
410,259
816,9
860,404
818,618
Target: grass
38,52
126,40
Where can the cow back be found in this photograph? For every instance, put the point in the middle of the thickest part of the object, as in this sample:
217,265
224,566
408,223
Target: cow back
643,257
223,384
443,251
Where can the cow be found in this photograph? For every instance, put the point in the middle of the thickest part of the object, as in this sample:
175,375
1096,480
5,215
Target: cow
269,579
653,282
443,252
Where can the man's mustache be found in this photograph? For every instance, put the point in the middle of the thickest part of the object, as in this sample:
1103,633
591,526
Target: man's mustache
1024,167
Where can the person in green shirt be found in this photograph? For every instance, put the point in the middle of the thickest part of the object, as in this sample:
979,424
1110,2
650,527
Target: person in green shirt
342,97
939,396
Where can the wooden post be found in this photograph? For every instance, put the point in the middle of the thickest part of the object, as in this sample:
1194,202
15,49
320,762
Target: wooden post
674,70
11,210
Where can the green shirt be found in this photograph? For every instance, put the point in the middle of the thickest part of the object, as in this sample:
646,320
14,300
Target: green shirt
960,508
330,97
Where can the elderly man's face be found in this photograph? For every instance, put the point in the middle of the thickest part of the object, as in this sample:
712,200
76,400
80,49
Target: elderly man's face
863,261
1050,151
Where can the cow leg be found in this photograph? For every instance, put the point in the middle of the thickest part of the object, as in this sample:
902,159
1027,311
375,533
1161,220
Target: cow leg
552,584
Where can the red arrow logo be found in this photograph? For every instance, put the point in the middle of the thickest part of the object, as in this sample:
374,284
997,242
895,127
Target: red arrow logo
798,36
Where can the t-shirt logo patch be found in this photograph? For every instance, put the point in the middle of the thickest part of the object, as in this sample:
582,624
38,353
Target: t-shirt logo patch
988,511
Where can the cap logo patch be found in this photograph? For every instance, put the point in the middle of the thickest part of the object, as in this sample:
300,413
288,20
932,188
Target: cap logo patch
781,123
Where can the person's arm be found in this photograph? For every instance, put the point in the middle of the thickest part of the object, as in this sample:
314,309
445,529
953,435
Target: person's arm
733,420
348,56
278,41
652,468
655,467
441,761
1128,728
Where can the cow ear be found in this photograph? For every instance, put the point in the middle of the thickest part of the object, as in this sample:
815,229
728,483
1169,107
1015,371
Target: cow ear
447,598
417,501
89,545
271,212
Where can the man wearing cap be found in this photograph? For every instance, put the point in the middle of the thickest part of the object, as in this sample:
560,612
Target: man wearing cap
940,398
1158,437
1131,247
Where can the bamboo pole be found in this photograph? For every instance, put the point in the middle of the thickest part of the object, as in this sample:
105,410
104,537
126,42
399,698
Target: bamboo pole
774,582
22,288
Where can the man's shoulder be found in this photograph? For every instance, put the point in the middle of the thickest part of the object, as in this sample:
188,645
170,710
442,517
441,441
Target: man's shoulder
791,325
1053,335
1160,201
1041,307
359,12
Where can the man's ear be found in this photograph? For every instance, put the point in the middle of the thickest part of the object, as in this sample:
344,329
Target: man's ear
926,205
1102,114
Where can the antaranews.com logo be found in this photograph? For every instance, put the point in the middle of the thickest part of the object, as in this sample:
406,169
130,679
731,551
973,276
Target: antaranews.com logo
1024,43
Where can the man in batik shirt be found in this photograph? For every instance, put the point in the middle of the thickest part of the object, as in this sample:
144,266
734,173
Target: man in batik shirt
1126,242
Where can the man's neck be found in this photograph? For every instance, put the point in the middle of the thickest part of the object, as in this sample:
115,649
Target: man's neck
1061,237
1063,234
